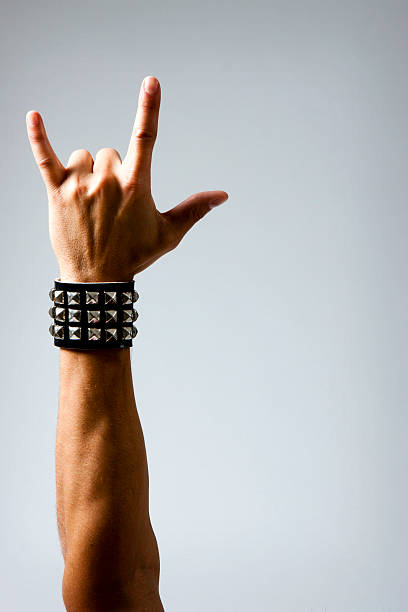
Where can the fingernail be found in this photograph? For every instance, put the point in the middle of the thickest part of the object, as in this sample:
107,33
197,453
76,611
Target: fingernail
150,85
217,201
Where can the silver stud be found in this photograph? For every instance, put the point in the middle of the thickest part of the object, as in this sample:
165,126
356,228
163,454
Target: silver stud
74,315
127,316
59,297
134,332
59,331
74,297
59,314
75,333
111,316
127,297
135,314
94,333
51,311
111,335
51,330
93,316
51,294
135,296
110,297
126,333
92,297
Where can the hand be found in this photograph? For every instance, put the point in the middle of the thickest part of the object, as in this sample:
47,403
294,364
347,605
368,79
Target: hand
103,222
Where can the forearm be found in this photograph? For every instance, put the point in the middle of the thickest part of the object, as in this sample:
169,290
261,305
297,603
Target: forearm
102,481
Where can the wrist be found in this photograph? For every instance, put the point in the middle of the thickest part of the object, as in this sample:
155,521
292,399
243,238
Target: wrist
95,275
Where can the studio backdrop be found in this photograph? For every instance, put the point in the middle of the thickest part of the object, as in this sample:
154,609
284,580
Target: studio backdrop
270,367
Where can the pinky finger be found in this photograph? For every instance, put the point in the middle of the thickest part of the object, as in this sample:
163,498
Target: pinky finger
51,169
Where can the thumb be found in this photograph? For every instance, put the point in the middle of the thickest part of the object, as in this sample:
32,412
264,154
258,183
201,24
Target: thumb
187,213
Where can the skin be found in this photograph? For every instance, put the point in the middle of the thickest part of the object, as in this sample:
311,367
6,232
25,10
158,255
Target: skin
104,226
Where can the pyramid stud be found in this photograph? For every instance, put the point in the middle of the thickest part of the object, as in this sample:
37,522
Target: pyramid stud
74,297
59,297
110,297
51,330
134,332
92,297
126,333
59,331
135,296
51,311
75,333
111,335
135,314
94,333
74,315
111,316
59,314
127,316
94,316
51,294
127,297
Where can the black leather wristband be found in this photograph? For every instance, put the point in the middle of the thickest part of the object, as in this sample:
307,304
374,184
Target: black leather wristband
93,315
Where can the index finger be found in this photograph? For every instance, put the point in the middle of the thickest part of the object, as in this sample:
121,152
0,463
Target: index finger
139,155
51,169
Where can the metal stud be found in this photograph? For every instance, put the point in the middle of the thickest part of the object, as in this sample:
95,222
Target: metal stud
127,316
92,297
94,316
110,297
74,333
135,296
51,330
135,314
59,297
51,311
94,333
74,297
134,332
127,297
74,315
126,333
59,331
59,314
111,335
111,316
51,294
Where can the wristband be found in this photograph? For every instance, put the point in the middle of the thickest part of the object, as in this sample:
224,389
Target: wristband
93,315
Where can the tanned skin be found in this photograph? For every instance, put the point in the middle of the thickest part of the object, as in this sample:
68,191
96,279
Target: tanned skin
104,226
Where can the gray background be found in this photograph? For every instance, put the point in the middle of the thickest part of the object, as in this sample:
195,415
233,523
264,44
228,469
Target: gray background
271,364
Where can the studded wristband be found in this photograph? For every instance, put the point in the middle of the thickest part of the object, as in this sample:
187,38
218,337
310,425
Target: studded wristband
93,315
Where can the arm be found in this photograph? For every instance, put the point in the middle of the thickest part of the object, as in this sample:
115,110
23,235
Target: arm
111,556
104,226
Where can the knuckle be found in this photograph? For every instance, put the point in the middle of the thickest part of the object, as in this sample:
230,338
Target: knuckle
145,134
78,156
107,152
36,138
107,182
45,163
80,152
75,188
193,214
134,184
146,104
168,235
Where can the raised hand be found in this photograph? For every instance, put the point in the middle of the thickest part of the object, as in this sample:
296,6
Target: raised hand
104,225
